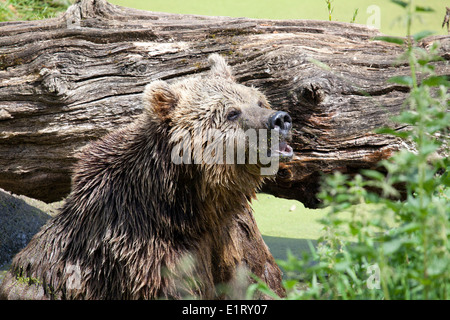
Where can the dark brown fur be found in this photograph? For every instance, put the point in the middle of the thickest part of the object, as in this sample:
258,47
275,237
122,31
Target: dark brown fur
137,226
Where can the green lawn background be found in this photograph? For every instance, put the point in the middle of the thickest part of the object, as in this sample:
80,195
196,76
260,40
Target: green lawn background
301,9
286,224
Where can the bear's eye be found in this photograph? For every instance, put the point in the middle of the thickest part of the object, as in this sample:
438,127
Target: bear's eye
260,104
233,114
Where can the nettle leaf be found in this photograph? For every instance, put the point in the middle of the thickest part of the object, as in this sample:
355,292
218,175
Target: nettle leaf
423,63
402,4
392,246
422,34
376,175
435,81
393,132
403,80
395,40
424,9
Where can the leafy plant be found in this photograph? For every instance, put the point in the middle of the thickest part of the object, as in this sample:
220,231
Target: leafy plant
330,9
387,233
355,13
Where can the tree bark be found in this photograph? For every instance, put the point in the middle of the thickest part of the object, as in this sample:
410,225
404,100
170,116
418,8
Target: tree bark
69,80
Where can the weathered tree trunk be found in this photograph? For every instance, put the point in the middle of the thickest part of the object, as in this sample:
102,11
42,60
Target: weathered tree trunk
69,80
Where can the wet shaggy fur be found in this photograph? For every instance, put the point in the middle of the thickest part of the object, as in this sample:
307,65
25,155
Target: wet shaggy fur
138,226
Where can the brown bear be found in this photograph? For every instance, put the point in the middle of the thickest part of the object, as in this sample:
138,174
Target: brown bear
141,224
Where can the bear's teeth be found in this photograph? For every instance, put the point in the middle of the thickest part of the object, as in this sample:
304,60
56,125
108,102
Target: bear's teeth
284,149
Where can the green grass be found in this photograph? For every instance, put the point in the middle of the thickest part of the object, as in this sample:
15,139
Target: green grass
12,10
286,224
286,218
343,10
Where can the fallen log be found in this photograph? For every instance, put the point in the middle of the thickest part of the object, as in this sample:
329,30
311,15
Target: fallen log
69,80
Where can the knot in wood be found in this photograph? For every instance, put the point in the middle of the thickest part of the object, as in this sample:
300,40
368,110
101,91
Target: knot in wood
312,94
53,82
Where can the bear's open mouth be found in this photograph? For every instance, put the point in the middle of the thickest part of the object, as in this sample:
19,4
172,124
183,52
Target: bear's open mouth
283,150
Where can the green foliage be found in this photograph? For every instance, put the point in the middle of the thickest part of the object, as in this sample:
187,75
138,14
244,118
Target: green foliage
387,233
330,9
31,9
396,40
355,13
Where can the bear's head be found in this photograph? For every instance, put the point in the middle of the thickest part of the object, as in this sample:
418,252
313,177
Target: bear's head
214,121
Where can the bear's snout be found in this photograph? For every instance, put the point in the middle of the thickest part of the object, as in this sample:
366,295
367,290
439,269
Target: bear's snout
281,121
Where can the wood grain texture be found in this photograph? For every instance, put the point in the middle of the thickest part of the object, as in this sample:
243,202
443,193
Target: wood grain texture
69,80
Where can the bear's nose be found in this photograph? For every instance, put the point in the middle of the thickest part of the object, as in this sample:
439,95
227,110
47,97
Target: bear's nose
281,121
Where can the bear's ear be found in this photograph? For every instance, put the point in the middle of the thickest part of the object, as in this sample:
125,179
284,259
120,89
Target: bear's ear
219,66
160,99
